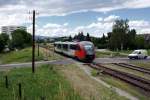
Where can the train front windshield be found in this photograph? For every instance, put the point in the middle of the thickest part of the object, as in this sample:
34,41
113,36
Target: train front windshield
89,48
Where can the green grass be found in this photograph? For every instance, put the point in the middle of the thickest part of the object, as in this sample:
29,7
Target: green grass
109,54
127,70
148,52
94,72
130,51
50,55
46,82
122,53
125,51
24,55
124,86
142,64
86,86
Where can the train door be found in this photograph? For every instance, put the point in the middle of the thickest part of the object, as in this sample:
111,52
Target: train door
72,48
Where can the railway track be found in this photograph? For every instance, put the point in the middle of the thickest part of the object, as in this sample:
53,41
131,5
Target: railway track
133,67
129,78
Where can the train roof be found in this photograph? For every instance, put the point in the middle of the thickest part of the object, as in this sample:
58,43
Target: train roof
65,42
82,42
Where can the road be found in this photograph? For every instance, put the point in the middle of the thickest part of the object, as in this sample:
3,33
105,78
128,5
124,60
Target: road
29,64
70,61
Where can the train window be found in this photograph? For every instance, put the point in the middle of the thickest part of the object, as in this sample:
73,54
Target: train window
74,47
65,46
59,46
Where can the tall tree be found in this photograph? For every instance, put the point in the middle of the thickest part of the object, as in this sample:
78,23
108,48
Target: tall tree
81,36
2,44
88,38
140,42
70,38
103,39
131,37
21,39
119,34
4,39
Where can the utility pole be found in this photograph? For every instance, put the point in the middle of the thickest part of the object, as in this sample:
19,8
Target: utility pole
38,47
33,43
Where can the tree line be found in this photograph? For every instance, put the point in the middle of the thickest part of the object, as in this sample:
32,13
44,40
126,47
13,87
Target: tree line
121,38
18,39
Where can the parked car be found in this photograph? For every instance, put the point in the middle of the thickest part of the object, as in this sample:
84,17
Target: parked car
138,54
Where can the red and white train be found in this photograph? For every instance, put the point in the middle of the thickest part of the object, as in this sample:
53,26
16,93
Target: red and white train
84,50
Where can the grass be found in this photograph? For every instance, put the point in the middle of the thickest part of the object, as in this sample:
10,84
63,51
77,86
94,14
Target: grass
130,51
124,86
127,70
88,88
125,51
148,52
50,55
142,64
103,54
122,53
46,82
24,55
94,72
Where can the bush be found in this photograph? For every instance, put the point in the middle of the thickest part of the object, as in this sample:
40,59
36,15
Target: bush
94,72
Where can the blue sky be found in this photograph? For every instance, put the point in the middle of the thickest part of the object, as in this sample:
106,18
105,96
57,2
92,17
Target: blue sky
68,17
85,18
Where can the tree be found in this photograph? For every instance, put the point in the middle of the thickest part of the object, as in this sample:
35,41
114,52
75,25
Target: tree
70,38
21,39
131,36
119,33
103,39
109,41
140,42
109,34
4,38
80,37
2,44
88,38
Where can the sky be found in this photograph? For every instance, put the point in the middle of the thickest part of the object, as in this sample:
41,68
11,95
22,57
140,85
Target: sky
57,18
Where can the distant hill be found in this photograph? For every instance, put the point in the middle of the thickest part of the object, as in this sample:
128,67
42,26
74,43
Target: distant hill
50,39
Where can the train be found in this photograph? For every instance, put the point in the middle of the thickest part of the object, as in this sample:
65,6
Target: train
84,50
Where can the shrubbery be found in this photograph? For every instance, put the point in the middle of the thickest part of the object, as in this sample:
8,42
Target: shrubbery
19,39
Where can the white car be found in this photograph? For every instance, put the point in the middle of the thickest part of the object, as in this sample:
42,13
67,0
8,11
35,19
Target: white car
138,54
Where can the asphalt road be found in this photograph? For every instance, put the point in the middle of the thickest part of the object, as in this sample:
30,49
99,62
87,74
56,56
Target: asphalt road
29,64
70,61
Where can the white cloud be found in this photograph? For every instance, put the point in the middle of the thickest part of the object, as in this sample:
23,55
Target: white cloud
100,19
137,4
64,7
111,18
65,24
51,29
50,25
15,12
95,29
140,25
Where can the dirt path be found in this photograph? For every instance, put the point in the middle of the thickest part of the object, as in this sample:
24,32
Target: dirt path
117,90
86,86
